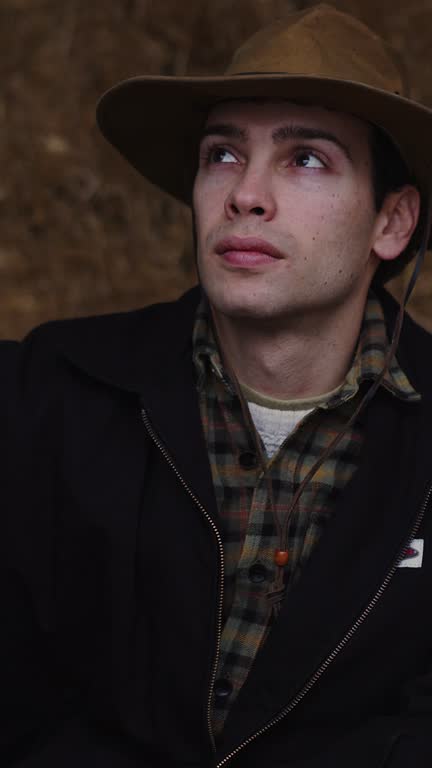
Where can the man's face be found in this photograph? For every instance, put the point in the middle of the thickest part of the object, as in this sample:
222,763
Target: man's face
284,210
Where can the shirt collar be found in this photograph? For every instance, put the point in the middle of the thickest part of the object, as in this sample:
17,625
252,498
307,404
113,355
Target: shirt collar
368,360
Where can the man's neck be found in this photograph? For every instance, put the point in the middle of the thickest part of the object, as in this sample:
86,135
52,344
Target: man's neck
293,360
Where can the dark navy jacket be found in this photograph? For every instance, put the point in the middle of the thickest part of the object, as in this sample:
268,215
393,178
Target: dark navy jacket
110,571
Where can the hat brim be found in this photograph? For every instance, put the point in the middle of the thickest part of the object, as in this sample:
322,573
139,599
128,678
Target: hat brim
155,122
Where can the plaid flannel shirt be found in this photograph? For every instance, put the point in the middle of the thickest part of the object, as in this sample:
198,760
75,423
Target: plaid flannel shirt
248,529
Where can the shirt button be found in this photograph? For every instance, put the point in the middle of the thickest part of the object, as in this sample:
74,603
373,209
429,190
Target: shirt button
248,460
222,690
257,573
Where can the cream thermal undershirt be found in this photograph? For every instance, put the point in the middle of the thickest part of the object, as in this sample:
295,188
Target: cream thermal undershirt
275,419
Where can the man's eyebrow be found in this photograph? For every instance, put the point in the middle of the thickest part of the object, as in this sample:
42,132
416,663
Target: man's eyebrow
287,132
227,130
284,133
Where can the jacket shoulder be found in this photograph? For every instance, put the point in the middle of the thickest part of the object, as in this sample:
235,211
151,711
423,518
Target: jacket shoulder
111,347
145,318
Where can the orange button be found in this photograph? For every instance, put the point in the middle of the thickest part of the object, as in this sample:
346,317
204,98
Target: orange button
281,557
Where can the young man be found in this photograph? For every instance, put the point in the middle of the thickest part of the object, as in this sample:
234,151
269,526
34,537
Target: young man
218,511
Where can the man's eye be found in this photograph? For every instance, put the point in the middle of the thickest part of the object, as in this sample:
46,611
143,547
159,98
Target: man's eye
308,160
220,155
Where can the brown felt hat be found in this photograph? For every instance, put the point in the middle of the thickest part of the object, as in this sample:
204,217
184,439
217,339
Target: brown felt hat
319,56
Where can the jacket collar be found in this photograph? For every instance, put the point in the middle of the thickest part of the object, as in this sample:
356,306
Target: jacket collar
133,351
149,353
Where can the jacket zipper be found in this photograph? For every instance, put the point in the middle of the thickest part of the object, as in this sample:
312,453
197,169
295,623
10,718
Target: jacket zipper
213,527
334,653
341,645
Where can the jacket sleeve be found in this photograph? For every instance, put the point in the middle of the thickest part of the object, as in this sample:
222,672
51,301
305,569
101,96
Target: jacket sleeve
28,688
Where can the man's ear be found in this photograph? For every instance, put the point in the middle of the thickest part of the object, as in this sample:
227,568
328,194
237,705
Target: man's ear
396,222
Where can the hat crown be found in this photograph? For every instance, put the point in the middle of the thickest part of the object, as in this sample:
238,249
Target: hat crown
321,42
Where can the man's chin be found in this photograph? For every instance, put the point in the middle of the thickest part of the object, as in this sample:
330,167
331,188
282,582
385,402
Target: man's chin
226,303
244,310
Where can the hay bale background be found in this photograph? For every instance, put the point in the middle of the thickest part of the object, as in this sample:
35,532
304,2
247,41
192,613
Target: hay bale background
80,232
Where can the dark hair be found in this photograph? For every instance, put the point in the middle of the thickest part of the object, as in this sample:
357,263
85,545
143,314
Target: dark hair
389,174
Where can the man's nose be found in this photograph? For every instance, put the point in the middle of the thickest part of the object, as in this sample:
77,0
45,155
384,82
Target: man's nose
251,195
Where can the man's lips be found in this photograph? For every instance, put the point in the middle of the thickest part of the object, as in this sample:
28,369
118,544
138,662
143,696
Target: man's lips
247,251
